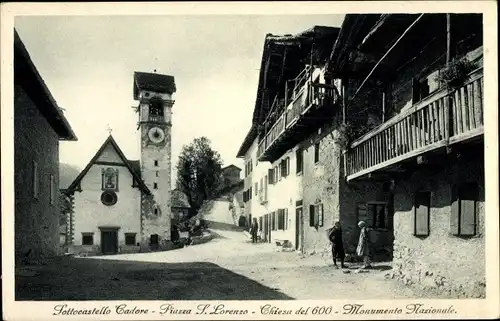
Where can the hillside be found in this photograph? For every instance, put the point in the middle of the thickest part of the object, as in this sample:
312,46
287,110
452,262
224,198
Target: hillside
67,174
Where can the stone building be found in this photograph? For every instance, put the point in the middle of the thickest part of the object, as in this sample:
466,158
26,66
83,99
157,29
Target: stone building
39,125
123,205
413,106
231,174
180,206
285,151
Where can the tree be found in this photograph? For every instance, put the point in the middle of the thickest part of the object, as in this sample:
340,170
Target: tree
199,172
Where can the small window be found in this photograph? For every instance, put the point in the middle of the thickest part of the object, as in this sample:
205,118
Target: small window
422,213
299,158
155,185
270,175
464,209
36,183
316,152
130,238
157,174
316,218
52,190
156,163
155,211
378,215
87,238
420,90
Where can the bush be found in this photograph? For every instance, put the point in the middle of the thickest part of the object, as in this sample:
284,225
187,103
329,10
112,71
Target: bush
456,74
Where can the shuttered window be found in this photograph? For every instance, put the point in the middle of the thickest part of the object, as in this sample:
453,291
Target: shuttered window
281,219
422,213
273,221
316,218
270,174
375,215
299,157
311,215
316,152
463,221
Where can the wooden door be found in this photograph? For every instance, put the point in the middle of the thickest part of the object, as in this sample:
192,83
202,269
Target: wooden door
109,242
298,227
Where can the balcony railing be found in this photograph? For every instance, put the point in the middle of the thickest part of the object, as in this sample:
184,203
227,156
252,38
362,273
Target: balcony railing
303,100
447,117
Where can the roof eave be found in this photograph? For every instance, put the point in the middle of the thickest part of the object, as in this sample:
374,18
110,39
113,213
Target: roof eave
62,121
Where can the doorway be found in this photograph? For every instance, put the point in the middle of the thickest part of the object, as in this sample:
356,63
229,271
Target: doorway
109,241
153,242
265,228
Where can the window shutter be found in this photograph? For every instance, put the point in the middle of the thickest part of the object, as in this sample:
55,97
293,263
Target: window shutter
468,197
422,208
455,211
265,188
311,215
273,221
288,165
316,215
270,175
320,215
286,219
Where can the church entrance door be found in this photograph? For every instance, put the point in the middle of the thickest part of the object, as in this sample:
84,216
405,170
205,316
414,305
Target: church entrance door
109,241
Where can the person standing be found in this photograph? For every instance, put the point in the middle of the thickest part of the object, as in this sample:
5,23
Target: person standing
338,252
363,245
254,229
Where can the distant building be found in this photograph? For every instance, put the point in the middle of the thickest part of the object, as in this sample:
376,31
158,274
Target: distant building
232,175
180,206
416,173
39,125
122,205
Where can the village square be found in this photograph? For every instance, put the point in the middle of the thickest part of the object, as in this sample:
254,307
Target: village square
356,171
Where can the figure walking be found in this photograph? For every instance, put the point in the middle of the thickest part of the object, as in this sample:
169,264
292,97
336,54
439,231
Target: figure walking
363,245
254,229
338,252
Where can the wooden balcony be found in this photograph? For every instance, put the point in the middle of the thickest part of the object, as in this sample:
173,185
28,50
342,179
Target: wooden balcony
440,120
311,105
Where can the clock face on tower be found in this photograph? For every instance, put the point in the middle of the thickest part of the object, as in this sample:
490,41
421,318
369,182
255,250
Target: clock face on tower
156,135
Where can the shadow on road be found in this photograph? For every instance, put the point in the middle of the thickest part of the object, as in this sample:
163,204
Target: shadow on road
71,279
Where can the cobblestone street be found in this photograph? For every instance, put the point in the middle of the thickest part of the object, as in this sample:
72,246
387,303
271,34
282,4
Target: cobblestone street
242,271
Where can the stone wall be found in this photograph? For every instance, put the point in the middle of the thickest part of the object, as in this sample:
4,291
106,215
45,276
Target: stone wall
36,218
440,263
90,213
320,183
352,194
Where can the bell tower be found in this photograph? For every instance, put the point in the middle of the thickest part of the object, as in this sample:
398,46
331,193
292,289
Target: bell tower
154,93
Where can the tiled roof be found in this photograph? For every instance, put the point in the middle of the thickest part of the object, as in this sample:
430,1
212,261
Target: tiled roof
153,82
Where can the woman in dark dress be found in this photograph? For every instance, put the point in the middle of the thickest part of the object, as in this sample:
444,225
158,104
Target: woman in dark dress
337,245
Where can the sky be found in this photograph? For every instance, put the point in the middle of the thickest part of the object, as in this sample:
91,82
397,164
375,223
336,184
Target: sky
88,63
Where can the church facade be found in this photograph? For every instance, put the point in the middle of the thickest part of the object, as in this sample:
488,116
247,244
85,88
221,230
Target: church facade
121,205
